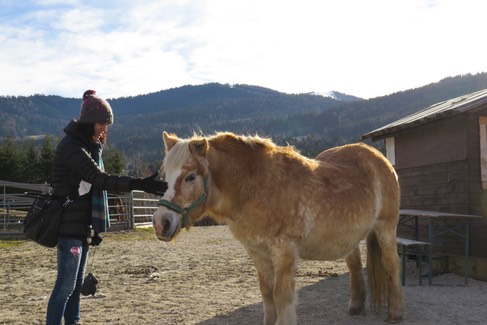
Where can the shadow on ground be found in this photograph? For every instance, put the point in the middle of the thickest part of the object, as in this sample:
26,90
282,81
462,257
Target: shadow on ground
323,302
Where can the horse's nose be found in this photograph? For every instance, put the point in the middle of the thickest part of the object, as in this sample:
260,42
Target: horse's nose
166,225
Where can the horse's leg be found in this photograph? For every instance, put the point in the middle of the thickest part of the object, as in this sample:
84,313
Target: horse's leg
390,262
265,273
357,284
284,261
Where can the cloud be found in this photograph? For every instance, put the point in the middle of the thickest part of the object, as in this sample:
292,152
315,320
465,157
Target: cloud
124,48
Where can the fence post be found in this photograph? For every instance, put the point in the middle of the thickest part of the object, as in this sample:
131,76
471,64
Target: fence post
4,208
131,214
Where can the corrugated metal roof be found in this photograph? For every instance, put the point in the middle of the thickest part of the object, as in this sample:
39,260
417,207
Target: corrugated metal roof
435,112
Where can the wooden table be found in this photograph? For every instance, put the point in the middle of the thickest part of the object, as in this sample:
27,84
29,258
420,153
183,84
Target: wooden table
453,223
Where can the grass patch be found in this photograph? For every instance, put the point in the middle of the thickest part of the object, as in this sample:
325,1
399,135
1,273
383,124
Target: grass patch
130,235
9,243
145,230
124,235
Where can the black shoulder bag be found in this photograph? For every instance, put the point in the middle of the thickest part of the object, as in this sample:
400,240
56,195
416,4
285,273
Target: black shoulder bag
42,222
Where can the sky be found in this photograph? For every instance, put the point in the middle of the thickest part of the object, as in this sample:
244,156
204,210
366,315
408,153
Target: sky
365,48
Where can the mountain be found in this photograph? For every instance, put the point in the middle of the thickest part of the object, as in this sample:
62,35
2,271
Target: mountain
139,120
311,122
338,96
35,115
349,120
181,109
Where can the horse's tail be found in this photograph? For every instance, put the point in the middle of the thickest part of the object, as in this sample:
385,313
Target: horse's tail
376,274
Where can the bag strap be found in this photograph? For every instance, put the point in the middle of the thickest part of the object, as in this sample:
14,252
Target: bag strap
34,195
91,267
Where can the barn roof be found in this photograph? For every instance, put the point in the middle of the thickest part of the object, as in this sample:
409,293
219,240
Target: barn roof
435,112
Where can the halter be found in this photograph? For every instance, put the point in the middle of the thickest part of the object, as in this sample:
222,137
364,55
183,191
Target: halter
186,211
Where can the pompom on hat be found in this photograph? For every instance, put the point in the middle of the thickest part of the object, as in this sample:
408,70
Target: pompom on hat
95,109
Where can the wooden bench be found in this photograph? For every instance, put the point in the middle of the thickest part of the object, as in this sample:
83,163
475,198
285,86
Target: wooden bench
409,247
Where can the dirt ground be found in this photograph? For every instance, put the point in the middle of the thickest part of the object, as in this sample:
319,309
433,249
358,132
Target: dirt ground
207,278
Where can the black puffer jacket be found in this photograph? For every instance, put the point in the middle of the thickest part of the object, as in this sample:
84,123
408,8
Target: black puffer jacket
73,163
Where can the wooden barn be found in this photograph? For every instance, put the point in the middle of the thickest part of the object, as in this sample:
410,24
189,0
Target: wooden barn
440,156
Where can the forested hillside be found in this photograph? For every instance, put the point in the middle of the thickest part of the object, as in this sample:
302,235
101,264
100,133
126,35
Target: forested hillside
180,108
351,120
308,121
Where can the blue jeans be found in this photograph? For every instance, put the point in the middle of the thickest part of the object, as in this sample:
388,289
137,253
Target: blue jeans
72,255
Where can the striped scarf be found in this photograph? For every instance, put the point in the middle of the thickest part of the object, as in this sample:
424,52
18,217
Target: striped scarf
100,217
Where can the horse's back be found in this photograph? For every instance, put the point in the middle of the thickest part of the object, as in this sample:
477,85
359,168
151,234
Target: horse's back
364,163
350,152
359,189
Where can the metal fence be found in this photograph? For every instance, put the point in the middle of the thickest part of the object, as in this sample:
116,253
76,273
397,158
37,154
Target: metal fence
14,205
143,207
127,211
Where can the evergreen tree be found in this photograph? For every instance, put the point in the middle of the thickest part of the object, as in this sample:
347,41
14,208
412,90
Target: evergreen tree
46,159
9,161
114,161
30,166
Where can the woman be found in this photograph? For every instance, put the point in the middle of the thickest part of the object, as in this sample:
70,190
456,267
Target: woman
79,175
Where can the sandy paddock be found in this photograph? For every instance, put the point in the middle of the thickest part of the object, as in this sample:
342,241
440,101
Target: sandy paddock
207,278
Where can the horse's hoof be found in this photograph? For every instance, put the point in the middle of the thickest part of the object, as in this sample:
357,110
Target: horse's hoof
394,320
355,311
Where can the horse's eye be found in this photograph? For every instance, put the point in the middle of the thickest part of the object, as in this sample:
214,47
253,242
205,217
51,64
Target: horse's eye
190,178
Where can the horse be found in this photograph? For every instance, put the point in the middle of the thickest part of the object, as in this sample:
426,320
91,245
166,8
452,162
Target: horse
283,206
116,207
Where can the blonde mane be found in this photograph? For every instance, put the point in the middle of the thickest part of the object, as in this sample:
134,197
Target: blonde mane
254,142
178,155
180,152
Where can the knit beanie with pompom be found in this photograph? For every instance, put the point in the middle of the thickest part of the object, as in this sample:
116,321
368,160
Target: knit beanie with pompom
95,109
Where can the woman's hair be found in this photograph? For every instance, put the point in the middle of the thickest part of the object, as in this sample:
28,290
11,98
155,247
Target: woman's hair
103,137
88,131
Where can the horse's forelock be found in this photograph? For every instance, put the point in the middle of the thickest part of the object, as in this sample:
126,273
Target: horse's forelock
177,156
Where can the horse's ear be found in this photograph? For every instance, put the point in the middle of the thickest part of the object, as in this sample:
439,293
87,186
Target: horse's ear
169,140
199,146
